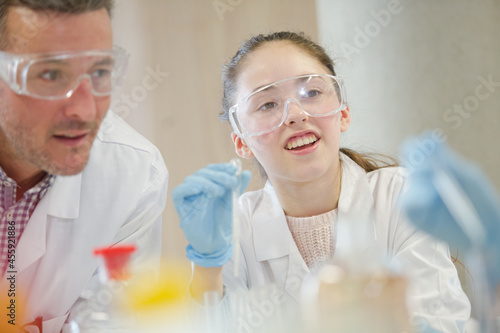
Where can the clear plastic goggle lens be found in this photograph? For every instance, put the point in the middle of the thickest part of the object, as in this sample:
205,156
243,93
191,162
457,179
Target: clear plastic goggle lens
57,76
266,109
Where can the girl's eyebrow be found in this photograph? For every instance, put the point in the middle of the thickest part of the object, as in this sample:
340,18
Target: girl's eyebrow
273,85
264,87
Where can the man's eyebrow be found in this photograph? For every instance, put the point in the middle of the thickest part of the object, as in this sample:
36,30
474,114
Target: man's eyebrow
55,61
105,61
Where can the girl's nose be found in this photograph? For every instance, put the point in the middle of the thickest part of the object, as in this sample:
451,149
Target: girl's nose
295,112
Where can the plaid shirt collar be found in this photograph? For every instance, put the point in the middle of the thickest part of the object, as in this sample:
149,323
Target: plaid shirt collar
36,192
14,215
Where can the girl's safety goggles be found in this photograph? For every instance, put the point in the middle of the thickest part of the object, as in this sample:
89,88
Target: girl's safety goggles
53,76
266,109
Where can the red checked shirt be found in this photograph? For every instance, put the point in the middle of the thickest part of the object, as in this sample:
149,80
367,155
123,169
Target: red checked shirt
15,215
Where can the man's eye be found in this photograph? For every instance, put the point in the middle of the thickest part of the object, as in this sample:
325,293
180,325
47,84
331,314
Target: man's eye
51,75
101,72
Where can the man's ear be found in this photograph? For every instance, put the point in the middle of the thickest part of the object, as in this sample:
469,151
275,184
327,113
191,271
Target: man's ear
345,119
241,147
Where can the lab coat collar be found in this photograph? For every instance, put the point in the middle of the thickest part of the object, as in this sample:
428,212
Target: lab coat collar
355,194
356,205
271,236
65,197
62,200
273,241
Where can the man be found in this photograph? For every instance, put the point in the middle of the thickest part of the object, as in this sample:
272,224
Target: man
73,176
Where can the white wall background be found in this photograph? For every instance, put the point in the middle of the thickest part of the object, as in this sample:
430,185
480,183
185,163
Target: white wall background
403,77
413,65
184,43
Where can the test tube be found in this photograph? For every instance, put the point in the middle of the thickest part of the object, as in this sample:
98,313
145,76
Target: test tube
213,320
236,223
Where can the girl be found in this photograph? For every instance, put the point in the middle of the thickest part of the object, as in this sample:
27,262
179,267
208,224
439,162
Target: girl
287,108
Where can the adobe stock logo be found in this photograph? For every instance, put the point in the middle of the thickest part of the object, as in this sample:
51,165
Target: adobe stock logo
470,103
259,311
123,104
372,29
222,6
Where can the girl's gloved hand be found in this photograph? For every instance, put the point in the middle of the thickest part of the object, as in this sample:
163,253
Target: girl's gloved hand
204,205
426,209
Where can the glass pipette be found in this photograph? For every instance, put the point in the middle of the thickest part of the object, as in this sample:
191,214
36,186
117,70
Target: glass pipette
236,224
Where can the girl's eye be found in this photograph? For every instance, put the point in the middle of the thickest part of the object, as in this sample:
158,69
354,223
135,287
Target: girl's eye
268,106
313,93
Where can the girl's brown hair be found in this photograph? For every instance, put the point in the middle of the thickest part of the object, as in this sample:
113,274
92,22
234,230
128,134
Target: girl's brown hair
231,70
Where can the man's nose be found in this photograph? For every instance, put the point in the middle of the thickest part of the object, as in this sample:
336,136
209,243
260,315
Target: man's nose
81,104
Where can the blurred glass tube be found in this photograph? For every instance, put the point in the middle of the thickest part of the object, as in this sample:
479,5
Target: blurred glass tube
462,210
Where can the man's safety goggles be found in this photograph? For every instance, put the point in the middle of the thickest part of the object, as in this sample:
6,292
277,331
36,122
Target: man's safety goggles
57,75
266,109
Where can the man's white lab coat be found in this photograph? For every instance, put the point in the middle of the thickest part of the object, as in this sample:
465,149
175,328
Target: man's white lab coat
118,198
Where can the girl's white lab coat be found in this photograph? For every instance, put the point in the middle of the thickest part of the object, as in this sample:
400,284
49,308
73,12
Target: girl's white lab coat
268,253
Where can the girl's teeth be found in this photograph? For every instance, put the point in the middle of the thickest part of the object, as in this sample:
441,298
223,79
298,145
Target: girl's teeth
301,142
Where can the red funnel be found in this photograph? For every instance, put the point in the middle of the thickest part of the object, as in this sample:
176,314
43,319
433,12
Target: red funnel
116,259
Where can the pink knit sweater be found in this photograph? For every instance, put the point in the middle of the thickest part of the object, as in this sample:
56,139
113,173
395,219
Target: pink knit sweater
314,236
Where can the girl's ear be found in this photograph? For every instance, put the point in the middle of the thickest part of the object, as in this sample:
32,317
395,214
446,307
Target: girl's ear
241,147
345,119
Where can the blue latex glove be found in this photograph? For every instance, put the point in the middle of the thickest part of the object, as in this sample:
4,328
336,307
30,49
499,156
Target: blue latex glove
426,209
204,205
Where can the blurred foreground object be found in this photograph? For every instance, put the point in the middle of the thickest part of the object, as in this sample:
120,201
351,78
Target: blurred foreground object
453,200
114,276
116,261
359,292
162,306
349,303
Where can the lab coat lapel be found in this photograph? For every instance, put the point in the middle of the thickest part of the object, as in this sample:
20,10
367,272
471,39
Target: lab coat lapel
273,243
65,198
356,199
32,242
296,273
62,200
270,230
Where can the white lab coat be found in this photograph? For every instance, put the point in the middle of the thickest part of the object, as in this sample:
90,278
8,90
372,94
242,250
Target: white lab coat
118,198
269,255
